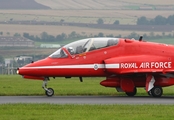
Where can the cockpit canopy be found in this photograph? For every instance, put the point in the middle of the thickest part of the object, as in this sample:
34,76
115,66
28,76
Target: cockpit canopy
84,45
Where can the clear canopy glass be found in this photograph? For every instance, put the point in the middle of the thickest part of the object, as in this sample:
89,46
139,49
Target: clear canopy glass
84,45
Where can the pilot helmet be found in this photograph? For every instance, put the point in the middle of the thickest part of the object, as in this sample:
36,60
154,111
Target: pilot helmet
71,50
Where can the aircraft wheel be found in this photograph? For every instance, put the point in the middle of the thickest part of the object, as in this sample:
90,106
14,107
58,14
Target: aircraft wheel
132,93
157,91
49,92
149,93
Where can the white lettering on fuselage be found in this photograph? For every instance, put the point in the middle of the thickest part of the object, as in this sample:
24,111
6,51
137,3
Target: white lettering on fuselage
147,65
129,65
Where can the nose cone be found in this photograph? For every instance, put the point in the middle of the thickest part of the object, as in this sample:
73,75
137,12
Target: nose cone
24,70
33,69
26,74
17,71
20,71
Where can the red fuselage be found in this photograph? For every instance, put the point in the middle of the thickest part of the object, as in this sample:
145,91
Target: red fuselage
92,63
125,63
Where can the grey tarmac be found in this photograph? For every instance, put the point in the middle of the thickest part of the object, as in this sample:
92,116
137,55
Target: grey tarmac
87,100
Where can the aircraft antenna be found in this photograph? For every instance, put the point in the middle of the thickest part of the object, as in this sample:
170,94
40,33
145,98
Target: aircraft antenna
141,37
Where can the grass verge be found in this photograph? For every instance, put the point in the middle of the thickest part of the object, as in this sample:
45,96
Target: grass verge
85,112
15,85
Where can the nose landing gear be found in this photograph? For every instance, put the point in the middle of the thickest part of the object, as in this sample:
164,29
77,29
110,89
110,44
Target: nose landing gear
48,91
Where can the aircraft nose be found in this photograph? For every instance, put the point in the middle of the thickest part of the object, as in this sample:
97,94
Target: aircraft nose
17,71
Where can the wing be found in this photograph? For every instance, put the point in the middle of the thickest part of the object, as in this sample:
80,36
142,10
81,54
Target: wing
139,64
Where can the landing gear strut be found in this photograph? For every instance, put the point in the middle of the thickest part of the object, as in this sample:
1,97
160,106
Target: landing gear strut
48,91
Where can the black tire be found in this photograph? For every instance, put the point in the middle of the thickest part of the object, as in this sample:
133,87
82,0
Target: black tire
132,93
149,93
157,91
50,92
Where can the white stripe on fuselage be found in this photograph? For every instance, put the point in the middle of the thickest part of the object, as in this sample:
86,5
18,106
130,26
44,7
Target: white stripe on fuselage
112,65
76,66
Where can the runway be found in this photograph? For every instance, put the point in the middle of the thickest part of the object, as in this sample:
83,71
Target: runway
86,100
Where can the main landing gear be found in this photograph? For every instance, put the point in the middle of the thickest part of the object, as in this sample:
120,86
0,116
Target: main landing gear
132,93
156,91
48,91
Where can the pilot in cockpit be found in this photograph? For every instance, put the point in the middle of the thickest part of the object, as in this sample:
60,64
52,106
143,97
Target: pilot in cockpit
71,50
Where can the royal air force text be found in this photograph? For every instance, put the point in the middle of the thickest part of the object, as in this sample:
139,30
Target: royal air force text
150,65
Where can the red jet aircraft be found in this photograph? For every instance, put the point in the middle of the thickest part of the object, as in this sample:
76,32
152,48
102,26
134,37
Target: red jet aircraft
126,64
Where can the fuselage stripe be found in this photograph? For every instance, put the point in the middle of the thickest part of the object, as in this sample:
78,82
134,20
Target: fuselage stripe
75,66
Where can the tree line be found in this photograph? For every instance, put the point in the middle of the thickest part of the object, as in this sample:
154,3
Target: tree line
158,20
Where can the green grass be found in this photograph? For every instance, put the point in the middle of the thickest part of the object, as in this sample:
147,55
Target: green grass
85,112
16,85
